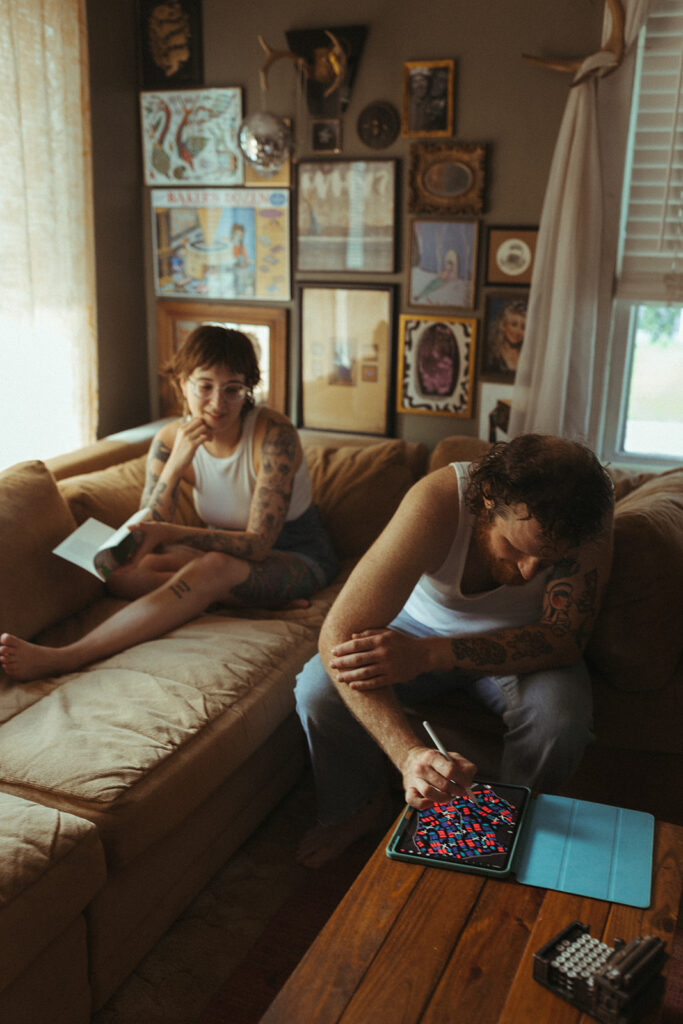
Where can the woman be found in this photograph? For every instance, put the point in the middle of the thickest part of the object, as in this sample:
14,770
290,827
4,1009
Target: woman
266,546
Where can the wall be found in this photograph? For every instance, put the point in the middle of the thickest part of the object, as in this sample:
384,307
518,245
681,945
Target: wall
502,100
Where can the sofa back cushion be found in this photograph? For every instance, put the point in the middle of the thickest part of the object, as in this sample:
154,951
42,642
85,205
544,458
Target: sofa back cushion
638,636
113,494
38,588
358,489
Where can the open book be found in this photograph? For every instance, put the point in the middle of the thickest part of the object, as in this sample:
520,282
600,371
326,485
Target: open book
99,548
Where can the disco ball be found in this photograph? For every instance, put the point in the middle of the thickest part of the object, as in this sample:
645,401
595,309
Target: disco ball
265,141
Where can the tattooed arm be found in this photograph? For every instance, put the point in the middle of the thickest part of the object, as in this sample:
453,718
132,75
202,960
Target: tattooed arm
168,462
277,456
361,652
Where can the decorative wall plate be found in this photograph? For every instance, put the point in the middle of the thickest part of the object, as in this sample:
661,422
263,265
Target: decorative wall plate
379,124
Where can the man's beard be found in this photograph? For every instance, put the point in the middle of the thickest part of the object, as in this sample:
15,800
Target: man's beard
504,572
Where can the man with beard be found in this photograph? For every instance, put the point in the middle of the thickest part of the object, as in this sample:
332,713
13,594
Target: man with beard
487,579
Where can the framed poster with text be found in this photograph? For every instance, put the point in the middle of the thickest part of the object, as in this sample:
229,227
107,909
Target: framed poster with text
221,243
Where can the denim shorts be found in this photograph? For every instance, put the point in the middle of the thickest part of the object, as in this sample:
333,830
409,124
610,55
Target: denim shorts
308,539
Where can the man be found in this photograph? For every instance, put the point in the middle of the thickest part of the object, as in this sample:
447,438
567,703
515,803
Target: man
488,579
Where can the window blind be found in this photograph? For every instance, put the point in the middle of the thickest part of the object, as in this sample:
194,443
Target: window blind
651,260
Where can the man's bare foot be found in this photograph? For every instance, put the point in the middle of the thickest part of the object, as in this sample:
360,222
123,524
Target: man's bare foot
325,842
24,661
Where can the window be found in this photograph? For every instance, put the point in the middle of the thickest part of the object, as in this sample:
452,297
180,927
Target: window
644,420
47,287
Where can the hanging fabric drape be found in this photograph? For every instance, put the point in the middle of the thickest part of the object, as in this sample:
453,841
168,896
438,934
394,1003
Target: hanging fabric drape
47,277
560,365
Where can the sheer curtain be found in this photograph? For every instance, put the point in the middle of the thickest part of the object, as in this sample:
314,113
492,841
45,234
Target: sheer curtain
559,380
47,278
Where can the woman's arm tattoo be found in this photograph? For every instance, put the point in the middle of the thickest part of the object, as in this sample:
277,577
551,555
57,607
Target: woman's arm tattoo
154,495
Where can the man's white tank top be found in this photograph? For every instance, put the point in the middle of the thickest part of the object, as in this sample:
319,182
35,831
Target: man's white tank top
438,601
224,487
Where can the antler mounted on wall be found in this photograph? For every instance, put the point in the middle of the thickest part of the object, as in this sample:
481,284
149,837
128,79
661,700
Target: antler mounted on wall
613,46
328,67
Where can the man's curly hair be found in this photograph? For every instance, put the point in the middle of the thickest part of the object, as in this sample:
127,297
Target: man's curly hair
561,482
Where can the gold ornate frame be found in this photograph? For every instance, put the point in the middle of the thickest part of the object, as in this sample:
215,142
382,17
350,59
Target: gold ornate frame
447,177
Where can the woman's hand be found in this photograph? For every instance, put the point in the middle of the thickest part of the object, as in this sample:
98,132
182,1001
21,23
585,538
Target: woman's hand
150,536
379,657
191,434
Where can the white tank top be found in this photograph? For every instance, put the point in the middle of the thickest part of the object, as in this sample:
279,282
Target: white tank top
224,487
438,601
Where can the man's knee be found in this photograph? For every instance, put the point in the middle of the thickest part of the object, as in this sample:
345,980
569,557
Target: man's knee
314,693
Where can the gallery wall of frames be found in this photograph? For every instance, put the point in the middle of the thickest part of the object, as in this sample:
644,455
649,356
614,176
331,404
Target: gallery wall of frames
384,319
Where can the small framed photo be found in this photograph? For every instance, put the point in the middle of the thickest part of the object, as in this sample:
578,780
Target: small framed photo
190,137
170,44
326,135
346,346
346,215
495,405
428,98
265,326
503,338
436,365
447,178
443,263
510,255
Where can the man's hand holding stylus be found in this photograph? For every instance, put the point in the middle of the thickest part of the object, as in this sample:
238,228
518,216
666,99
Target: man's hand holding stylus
430,778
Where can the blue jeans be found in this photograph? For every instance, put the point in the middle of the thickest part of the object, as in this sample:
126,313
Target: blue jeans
547,715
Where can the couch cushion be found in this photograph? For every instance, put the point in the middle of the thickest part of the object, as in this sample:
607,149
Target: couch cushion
51,865
113,494
358,490
638,636
137,741
38,588
457,448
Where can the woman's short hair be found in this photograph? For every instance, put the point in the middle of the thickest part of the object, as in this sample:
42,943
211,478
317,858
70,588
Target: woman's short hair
212,345
561,482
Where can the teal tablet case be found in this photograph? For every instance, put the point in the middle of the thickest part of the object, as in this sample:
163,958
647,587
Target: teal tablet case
587,849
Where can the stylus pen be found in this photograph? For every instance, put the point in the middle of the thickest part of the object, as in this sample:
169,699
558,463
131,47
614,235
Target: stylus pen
442,750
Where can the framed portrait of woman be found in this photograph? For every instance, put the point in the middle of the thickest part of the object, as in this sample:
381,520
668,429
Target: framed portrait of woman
504,330
443,263
436,365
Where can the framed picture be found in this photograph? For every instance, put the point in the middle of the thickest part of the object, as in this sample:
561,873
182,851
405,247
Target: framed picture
170,43
265,326
447,177
510,255
436,365
427,98
190,137
504,329
326,135
346,215
443,263
221,243
495,405
346,345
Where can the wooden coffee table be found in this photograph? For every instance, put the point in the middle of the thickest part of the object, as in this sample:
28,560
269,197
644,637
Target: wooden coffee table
411,944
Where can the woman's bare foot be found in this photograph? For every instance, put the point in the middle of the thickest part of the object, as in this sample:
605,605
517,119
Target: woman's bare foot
24,661
325,842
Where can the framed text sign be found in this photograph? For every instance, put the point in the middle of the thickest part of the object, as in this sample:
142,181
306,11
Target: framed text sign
221,243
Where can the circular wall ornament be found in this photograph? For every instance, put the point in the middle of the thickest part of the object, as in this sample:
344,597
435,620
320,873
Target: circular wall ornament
379,124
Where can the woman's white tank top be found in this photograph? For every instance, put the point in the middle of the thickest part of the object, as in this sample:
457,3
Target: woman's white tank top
438,601
224,487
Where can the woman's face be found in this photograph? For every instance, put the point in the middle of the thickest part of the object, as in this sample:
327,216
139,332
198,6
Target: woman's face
217,395
513,329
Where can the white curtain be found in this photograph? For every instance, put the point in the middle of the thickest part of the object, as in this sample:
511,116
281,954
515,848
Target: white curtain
47,283
559,378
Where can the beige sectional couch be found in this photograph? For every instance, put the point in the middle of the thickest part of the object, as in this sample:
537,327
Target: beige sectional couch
125,786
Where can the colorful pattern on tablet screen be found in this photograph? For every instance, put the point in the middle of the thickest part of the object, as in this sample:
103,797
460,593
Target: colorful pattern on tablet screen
464,828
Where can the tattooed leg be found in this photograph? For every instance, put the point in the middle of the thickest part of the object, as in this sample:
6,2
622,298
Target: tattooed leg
280,580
